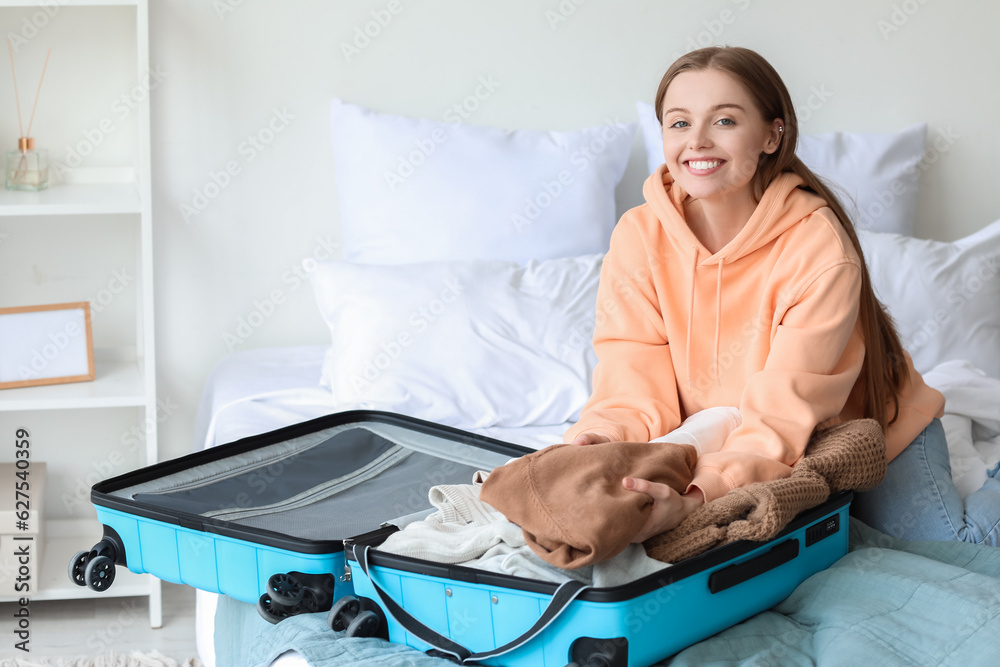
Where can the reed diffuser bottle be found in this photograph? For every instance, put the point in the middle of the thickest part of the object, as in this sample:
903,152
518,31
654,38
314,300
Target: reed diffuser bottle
26,168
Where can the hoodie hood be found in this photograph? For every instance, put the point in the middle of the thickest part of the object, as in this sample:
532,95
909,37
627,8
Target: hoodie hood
783,205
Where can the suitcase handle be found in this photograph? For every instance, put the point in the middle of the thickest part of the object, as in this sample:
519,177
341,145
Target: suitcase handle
566,593
734,575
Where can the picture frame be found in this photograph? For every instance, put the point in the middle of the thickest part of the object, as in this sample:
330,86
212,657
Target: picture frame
47,344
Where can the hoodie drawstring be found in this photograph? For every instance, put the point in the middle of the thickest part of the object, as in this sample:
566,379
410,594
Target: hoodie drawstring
718,318
687,348
718,321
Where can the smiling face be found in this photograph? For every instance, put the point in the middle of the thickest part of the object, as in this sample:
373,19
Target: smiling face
713,135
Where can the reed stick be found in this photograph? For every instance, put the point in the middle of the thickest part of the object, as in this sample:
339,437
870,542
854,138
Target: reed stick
10,50
37,92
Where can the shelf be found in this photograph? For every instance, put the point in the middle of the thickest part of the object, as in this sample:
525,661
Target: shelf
63,539
75,199
70,3
116,384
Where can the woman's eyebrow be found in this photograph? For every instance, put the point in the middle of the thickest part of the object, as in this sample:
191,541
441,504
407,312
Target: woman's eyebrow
717,107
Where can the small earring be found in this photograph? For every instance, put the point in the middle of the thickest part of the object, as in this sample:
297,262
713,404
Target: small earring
781,128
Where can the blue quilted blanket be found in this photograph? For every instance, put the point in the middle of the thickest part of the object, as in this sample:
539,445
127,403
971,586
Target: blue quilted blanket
887,602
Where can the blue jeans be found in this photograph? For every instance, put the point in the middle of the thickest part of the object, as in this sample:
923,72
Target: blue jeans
917,499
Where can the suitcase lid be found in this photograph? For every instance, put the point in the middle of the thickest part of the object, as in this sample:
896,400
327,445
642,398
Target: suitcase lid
307,486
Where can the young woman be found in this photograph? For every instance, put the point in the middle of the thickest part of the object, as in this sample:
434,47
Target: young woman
741,282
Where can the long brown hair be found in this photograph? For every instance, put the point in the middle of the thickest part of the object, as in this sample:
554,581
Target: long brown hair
883,372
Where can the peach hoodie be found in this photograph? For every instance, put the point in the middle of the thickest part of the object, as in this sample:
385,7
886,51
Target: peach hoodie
768,324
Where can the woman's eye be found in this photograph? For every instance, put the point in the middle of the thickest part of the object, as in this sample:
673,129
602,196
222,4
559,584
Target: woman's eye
726,121
680,123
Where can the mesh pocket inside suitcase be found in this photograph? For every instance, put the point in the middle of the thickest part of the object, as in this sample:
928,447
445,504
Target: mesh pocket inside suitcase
326,485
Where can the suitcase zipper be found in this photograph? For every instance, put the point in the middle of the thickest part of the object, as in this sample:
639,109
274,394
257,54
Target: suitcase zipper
348,545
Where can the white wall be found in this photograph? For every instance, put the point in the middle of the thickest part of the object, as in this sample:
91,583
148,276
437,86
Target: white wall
229,68
228,71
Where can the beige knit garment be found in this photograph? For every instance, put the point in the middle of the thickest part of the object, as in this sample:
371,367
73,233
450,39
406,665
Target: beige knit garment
847,456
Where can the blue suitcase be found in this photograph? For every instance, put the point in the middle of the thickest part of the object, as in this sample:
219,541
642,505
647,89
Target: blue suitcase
263,519
477,617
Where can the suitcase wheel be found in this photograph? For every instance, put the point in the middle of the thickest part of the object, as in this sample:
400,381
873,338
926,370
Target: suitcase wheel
598,652
285,589
106,548
365,624
99,573
77,568
99,577
356,618
592,661
343,612
273,612
292,593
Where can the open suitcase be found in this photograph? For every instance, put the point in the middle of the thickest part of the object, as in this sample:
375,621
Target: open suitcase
477,617
268,520
262,519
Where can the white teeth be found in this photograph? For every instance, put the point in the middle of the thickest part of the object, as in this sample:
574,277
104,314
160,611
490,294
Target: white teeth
704,164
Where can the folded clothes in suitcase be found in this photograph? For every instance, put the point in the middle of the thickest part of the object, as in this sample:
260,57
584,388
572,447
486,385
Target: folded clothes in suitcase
473,616
262,519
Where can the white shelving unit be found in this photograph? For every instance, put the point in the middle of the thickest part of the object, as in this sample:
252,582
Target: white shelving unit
125,374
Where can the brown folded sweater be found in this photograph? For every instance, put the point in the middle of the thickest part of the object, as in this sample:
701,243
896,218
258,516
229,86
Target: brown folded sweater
847,456
569,500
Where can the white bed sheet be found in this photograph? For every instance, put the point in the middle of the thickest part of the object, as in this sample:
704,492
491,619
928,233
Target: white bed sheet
256,391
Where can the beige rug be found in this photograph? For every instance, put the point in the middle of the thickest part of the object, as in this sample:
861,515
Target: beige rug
135,659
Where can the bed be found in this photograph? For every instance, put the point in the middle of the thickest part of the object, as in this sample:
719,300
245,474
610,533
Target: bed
888,602
487,327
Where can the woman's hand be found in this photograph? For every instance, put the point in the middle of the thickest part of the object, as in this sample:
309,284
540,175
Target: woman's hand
590,439
669,506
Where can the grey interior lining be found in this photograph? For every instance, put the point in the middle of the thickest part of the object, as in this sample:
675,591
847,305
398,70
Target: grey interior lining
308,472
397,491
263,457
232,465
319,492
438,447
337,486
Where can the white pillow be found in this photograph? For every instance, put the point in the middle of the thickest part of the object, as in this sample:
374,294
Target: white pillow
876,171
944,297
469,344
422,190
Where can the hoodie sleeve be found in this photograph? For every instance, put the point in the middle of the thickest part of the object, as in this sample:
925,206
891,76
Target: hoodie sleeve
814,361
635,393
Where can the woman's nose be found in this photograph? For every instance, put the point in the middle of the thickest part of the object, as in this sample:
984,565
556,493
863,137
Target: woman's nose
699,138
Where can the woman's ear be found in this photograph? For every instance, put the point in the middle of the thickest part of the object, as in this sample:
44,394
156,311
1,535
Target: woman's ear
774,136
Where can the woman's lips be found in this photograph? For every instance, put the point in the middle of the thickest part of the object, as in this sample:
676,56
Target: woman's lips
703,167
